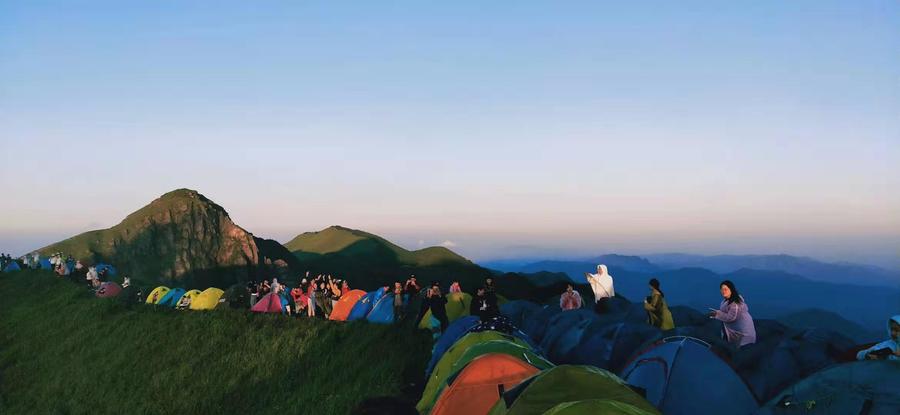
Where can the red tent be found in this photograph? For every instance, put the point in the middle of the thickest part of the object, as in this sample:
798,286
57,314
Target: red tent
270,303
108,289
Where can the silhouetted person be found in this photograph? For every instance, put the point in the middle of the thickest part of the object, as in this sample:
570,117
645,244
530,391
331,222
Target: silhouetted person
438,305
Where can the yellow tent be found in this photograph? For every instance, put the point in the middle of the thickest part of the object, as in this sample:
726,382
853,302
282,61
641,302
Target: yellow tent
157,294
208,299
192,294
457,306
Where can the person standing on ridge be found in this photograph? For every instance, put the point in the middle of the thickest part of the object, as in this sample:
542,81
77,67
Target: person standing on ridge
737,323
398,302
658,314
438,305
601,283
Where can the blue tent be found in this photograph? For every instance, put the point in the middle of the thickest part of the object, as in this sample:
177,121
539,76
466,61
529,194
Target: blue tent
783,359
610,346
13,266
171,298
561,324
536,325
110,270
681,375
362,307
562,349
519,311
383,310
455,331
868,387
46,265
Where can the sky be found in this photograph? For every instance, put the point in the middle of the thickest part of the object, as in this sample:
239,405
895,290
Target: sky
501,129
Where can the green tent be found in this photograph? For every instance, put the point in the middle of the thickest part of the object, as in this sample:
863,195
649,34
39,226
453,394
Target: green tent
567,383
453,364
457,306
596,406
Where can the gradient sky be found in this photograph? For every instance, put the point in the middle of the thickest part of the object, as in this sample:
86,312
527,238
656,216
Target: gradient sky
501,128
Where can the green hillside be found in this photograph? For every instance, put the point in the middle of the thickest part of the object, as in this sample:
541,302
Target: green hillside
340,240
369,260
181,238
64,351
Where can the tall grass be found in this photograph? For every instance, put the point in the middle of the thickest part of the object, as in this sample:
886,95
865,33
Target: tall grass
64,351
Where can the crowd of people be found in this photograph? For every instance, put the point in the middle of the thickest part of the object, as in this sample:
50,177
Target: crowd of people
316,297
737,323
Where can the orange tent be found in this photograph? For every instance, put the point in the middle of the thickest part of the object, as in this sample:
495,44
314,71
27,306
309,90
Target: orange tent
345,304
477,387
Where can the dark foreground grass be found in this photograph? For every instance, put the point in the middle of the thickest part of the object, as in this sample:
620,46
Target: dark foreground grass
63,351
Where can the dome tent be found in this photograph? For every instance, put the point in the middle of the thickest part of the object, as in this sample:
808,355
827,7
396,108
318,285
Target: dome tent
208,299
345,305
454,361
454,332
171,298
567,383
477,387
270,303
681,375
157,294
868,387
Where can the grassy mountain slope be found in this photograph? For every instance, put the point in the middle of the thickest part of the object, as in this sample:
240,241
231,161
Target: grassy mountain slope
64,351
337,240
368,260
181,238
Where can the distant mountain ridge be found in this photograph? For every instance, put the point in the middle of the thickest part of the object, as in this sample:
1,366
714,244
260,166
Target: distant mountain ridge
843,272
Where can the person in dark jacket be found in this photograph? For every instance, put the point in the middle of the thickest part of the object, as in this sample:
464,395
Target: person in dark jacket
438,305
484,305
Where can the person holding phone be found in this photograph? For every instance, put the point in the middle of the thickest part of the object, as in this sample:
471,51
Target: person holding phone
737,323
888,349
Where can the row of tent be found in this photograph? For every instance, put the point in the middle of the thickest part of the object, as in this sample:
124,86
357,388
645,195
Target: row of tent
477,370
47,266
207,299
680,374
374,306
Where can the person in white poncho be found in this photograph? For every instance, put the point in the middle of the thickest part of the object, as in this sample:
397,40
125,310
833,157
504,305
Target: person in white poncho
601,283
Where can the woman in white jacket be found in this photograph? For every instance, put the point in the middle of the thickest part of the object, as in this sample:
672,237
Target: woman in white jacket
601,283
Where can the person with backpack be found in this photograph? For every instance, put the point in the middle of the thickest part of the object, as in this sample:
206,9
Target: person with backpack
658,314
438,305
737,323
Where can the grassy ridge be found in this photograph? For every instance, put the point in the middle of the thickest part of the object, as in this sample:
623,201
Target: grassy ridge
64,351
